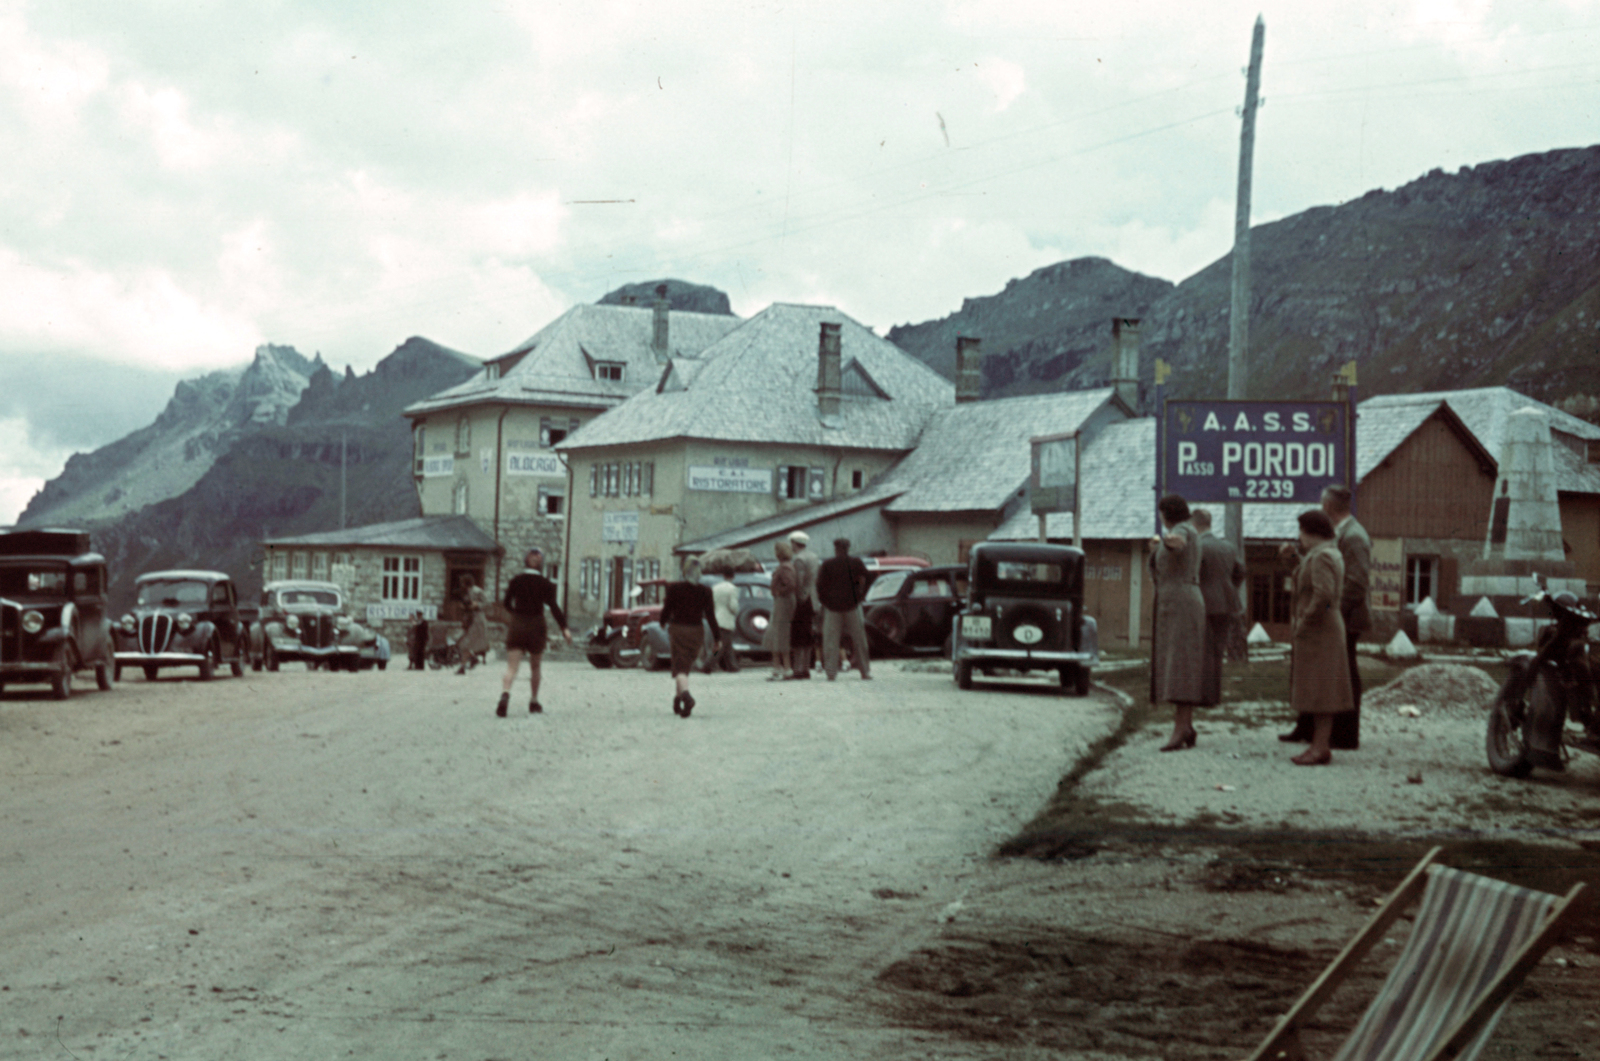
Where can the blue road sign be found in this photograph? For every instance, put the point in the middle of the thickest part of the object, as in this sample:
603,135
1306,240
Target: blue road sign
1254,451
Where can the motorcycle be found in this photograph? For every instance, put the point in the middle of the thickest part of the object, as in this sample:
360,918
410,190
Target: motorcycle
1546,688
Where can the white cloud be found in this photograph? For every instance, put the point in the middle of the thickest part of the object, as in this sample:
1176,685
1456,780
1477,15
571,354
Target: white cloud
1005,79
23,467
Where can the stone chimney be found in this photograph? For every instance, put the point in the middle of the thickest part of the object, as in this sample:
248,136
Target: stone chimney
829,373
1125,359
969,368
659,341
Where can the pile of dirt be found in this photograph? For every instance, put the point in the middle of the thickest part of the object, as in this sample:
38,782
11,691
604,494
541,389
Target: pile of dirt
1435,689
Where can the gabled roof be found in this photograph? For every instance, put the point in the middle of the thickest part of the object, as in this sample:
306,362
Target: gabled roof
555,365
758,384
976,456
1387,421
455,533
785,522
1116,480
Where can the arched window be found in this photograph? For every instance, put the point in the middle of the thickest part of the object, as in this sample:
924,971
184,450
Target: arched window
463,434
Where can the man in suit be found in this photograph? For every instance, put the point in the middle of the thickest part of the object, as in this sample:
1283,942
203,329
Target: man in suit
1221,575
1355,546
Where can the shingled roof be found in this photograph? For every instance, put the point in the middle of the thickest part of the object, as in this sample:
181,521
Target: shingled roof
758,384
976,455
1118,473
555,365
423,532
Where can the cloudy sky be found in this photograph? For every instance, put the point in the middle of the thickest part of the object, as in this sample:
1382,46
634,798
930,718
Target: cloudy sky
183,181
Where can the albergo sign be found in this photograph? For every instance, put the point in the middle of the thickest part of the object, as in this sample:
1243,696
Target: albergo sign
1254,451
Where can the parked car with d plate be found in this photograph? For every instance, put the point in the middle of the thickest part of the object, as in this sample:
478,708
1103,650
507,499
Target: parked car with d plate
1024,611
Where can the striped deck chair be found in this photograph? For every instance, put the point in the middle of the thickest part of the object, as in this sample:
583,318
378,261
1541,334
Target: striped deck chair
1474,941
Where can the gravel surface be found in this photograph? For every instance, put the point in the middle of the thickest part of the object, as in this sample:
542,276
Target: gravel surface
332,865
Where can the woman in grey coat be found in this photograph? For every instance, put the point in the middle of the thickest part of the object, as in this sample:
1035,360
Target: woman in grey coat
1320,677
1178,664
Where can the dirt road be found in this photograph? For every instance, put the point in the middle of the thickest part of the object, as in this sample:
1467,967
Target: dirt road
310,865
327,865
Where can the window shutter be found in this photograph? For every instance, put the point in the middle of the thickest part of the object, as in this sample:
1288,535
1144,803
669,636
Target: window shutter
649,486
544,432
816,483
781,480
594,480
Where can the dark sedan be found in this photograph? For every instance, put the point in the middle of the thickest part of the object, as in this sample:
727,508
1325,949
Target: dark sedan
910,612
183,618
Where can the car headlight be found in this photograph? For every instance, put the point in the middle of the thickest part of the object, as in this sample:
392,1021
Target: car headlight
130,624
32,622
185,621
292,624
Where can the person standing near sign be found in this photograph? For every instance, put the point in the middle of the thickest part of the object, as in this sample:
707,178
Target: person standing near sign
1319,682
1221,575
1178,664
1355,549
527,596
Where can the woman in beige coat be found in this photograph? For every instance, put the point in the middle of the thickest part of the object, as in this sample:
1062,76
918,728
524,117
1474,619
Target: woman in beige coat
1320,674
1178,660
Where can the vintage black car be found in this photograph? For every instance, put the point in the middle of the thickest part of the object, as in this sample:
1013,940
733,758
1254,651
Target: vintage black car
306,620
910,612
1024,612
183,619
52,610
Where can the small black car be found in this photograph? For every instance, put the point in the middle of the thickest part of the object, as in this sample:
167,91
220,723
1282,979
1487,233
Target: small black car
909,612
183,618
52,610
1024,611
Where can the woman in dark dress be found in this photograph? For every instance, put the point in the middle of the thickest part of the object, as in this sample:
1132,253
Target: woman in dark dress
1178,663
688,605
527,596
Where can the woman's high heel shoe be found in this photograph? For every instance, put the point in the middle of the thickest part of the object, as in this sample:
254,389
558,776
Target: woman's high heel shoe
1177,744
1305,758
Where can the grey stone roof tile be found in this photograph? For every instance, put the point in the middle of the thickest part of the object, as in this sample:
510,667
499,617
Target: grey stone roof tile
422,532
758,384
976,455
557,368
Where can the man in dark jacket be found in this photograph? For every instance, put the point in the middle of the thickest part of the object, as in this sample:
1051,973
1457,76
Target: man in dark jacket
841,585
1221,575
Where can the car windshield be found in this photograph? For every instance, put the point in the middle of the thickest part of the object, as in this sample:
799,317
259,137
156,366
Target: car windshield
931,587
293,598
1024,578
172,591
887,586
33,581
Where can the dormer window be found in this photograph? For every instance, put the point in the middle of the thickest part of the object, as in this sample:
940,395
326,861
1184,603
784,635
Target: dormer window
492,371
608,370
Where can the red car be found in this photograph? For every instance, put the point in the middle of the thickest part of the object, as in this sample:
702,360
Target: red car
618,640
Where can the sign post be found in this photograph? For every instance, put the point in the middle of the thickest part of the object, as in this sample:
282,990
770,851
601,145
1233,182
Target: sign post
1056,464
1242,451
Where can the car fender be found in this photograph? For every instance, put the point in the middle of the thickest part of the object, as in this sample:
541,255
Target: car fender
1089,637
656,634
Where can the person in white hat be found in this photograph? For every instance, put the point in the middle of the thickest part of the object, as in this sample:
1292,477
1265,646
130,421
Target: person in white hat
802,628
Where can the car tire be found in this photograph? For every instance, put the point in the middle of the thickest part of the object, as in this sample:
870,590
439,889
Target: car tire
649,658
269,657
208,663
617,651
963,670
752,624
383,664
237,663
151,672
116,672
256,662
889,622
61,680
1075,679
102,676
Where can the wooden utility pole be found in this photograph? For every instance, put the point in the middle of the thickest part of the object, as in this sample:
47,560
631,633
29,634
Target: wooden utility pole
1239,314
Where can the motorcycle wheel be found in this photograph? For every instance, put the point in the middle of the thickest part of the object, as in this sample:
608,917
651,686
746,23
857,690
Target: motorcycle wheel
1508,754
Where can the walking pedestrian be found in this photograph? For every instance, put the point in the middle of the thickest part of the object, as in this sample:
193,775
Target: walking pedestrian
841,585
776,638
685,611
417,643
803,627
474,641
1178,666
1319,683
725,602
1355,549
1221,575
527,596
